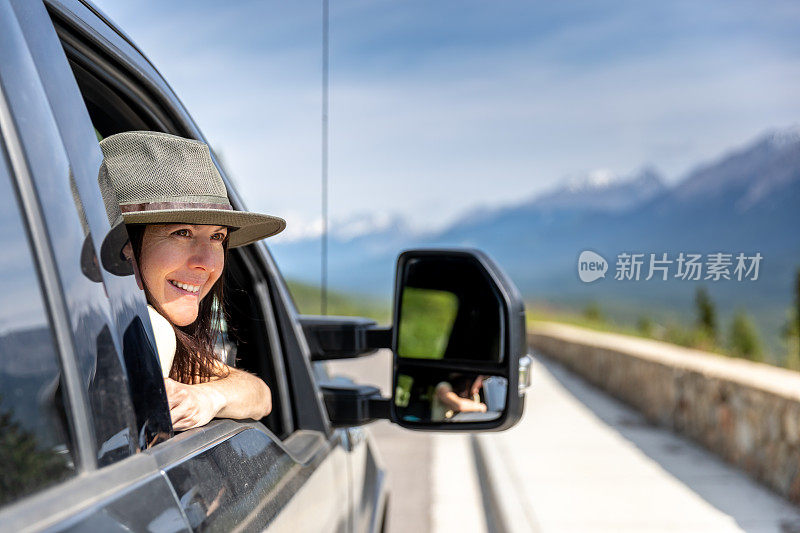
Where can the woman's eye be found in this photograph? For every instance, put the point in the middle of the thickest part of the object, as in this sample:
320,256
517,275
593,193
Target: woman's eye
181,232
218,237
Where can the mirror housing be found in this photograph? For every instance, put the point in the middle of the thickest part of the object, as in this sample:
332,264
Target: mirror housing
482,336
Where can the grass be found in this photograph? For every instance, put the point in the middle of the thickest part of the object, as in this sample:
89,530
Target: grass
664,329
307,299
667,327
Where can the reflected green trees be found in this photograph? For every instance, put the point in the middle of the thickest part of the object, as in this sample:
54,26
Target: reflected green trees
24,467
426,320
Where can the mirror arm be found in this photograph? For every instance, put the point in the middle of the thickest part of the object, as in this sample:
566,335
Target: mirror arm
343,337
351,404
380,407
379,337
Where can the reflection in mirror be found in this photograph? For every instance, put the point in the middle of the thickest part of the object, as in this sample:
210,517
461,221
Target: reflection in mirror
432,395
448,311
427,317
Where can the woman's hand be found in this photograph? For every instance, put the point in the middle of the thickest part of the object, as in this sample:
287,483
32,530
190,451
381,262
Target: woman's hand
457,403
191,406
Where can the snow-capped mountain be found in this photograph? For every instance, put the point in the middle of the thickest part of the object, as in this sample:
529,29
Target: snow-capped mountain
602,191
747,176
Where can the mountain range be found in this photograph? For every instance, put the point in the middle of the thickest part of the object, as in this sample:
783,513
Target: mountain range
743,201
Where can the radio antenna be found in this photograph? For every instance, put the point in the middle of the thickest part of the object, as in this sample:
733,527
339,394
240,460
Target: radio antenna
324,281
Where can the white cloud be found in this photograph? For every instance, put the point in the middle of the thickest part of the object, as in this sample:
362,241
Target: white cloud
458,124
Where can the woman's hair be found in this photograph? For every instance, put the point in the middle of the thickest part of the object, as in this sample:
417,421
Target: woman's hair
194,361
460,383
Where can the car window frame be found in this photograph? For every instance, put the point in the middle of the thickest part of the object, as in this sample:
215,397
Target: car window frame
307,409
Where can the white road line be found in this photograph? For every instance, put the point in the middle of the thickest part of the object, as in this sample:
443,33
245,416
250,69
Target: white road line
457,505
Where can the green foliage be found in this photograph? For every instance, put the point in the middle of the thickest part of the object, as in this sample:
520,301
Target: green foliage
535,313
23,466
706,313
402,394
691,337
593,312
743,338
645,326
426,321
307,299
790,335
797,311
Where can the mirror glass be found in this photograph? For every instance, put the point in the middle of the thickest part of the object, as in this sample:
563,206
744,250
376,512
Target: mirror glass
439,396
449,310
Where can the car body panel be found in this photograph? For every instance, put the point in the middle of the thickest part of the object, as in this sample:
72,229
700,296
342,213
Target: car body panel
245,480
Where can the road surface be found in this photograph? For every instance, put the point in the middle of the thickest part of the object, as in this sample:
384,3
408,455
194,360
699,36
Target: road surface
579,460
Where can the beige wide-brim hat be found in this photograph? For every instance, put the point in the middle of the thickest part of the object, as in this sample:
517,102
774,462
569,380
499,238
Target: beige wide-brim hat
161,178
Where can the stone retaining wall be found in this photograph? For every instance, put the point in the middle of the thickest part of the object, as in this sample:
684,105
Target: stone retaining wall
748,413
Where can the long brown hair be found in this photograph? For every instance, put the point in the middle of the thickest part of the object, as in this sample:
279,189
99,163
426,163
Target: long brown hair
194,361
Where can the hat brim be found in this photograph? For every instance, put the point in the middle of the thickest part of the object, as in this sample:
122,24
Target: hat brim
111,251
249,227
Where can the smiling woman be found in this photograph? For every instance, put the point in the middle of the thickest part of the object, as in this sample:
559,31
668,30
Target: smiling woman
180,270
181,225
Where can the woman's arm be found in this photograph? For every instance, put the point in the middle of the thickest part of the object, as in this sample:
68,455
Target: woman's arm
238,395
453,401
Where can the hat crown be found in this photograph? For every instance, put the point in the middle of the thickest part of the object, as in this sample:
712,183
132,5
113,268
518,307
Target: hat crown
149,167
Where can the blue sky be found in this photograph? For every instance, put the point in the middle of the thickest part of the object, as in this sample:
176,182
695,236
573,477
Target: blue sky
439,107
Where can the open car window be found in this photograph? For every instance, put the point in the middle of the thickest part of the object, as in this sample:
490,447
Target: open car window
117,101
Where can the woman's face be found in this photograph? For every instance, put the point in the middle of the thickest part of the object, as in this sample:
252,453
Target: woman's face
179,263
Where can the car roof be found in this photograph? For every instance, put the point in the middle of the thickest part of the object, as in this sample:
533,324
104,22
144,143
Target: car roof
105,19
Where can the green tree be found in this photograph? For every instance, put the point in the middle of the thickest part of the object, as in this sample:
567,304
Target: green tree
593,312
790,333
744,340
706,313
645,326
797,309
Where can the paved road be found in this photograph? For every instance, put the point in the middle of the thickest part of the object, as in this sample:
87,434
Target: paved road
582,461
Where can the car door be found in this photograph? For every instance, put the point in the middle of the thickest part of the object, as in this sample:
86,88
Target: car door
229,473
109,485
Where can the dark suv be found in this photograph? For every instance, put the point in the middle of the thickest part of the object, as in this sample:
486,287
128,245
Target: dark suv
86,441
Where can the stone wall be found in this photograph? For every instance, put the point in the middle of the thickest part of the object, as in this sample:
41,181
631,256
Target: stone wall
748,413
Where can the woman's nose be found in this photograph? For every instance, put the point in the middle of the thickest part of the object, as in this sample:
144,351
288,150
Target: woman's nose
205,256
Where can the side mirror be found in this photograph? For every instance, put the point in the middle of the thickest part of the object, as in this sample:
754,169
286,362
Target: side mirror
459,343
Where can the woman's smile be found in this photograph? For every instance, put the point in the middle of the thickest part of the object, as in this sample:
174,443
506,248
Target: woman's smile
186,287
179,265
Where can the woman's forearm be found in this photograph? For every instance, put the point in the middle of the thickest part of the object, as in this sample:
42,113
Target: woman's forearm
238,395
245,395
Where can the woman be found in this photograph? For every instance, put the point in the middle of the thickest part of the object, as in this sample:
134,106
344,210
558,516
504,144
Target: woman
459,394
181,224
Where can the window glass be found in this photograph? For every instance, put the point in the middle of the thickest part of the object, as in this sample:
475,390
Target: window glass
34,446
